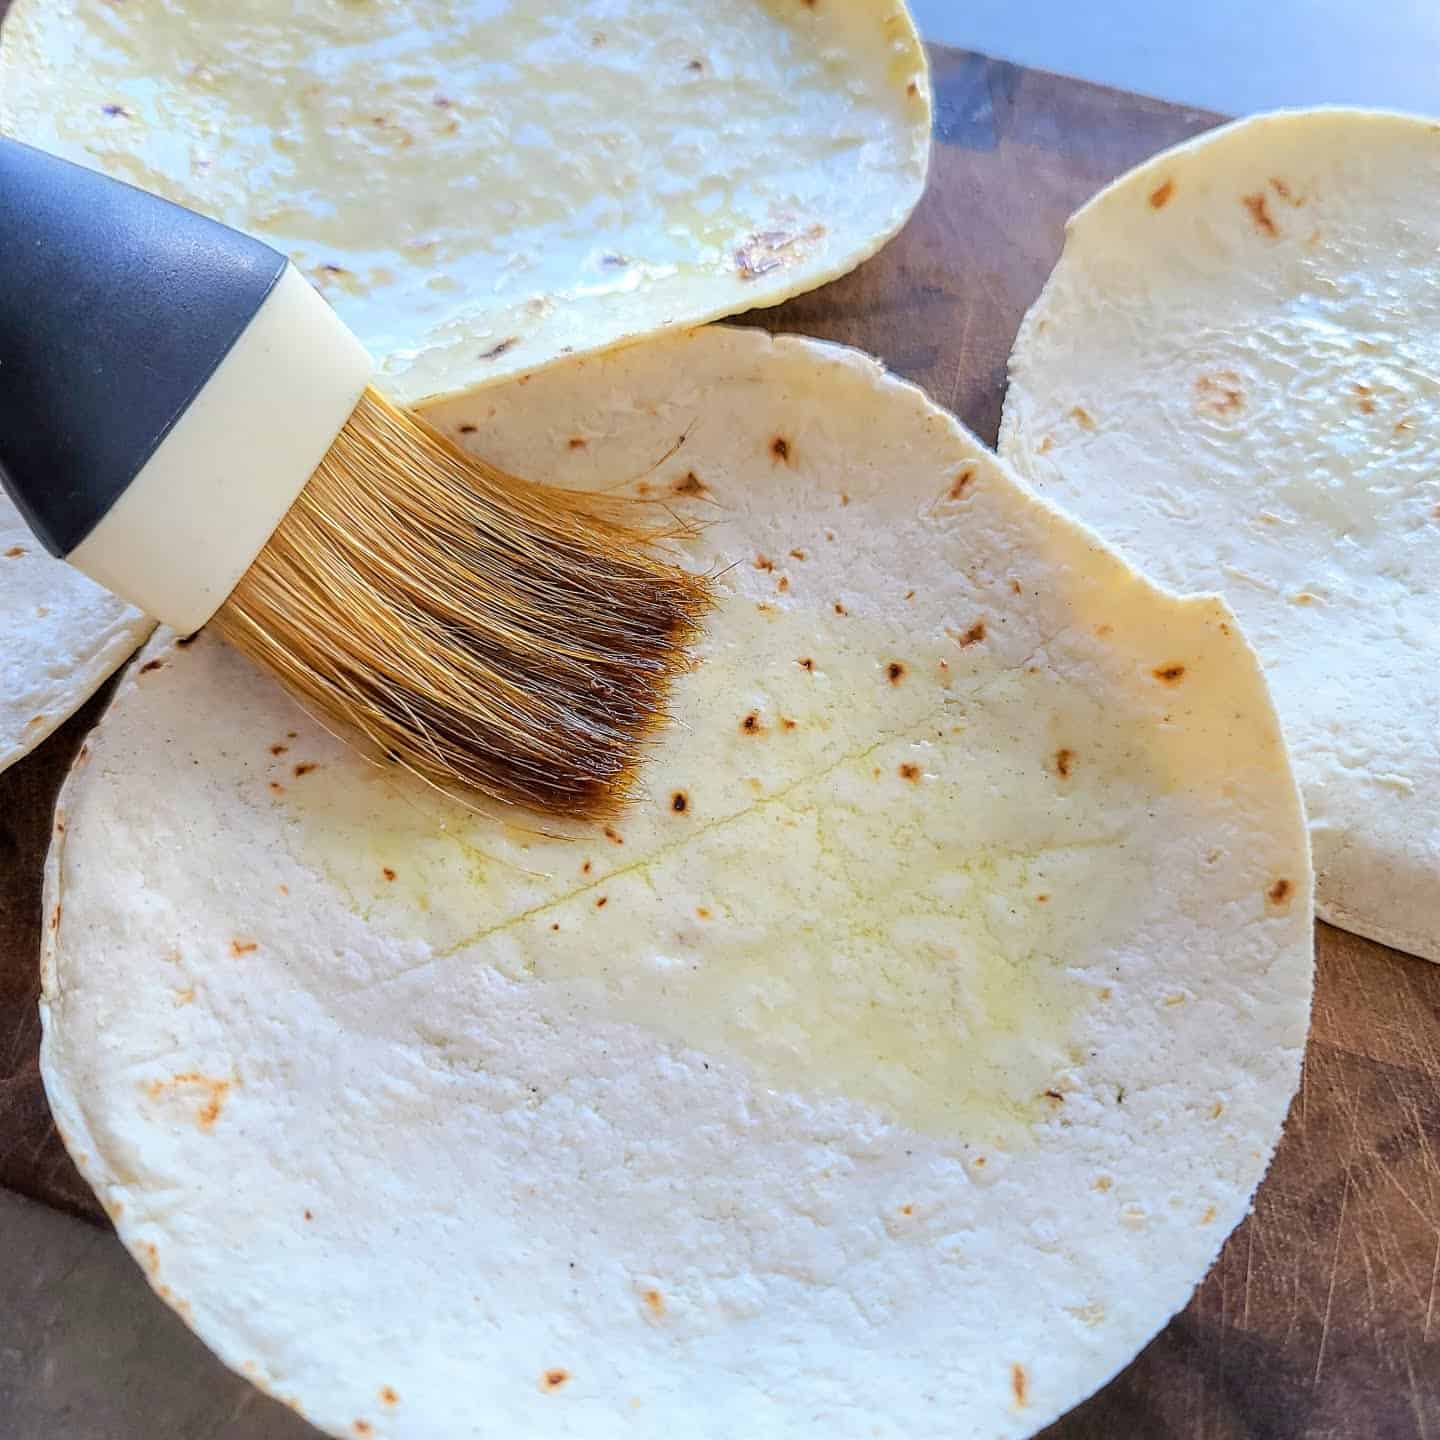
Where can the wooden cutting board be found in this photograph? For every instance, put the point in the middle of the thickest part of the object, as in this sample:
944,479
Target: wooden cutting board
1321,1319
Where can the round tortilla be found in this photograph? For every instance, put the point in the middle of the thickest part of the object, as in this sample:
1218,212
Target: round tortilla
483,186
906,1054
63,636
478,188
1234,375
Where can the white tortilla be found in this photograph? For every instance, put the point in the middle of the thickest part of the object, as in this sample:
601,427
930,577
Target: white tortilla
427,1140
483,186
479,188
1234,375
61,636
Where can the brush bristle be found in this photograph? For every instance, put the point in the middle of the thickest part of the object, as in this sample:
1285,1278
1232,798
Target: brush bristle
489,633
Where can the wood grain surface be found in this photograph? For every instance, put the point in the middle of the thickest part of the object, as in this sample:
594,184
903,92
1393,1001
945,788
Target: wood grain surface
1321,1319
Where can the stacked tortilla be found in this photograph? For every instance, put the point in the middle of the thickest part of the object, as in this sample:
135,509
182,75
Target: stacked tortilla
899,1063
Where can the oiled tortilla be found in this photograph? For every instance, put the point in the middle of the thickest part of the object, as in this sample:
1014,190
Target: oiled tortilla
1234,375
480,187
905,1055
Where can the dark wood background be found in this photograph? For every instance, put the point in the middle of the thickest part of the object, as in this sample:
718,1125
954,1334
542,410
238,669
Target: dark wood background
1321,1318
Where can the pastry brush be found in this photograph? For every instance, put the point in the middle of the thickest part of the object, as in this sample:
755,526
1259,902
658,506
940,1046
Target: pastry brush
185,420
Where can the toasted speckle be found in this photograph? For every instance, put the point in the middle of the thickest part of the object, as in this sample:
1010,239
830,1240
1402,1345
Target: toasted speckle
1279,893
973,636
553,1379
1064,762
654,1302
613,835
388,1395
276,788
387,872
304,768
780,448
363,1427
14,552
1259,208
150,665
840,608
55,915
214,1091
239,947
1169,674
1220,393
797,554
786,723
679,802
468,429
278,749
1160,195
1217,1110
309,1214
689,484
602,902
702,912
1208,1216
910,772
806,664
1082,417
895,672
1364,403
961,482
763,562
499,348
751,724
1019,1386
1102,1183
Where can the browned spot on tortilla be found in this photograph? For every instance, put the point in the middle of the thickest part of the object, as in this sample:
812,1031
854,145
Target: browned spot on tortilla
767,250
690,484
654,1301
1046,444
909,594
1016,588
585,868
55,915
957,486
973,636
1169,674
1279,892
783,584
910,772
912,89
1102,1183
1401,426
1160,195
363,1427
751,724
1364,403
1259,208
844,498
702,912
1220,393
278,749
388,1395
806,664
696,65
190,639
780,448
1216,1110
786,723
114,1208
150,665
763,562
679,802
1055,1096
553,1379
613,835
797,554
499,348
468,429
577,442
35,720
602,902
185,996
14,551
1082,417
1019,1385
304,768
1208,1216
1064,760
1286,193
1042,899
895,672
276,788
214,1092
387,872
239,947
309,1214
840,608
152,1256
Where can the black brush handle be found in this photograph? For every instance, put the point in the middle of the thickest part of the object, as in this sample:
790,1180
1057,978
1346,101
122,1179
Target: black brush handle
115,308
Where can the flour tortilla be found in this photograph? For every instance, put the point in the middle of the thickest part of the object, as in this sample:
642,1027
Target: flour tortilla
905,1055
61,635
478,188
482,186
1234,375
